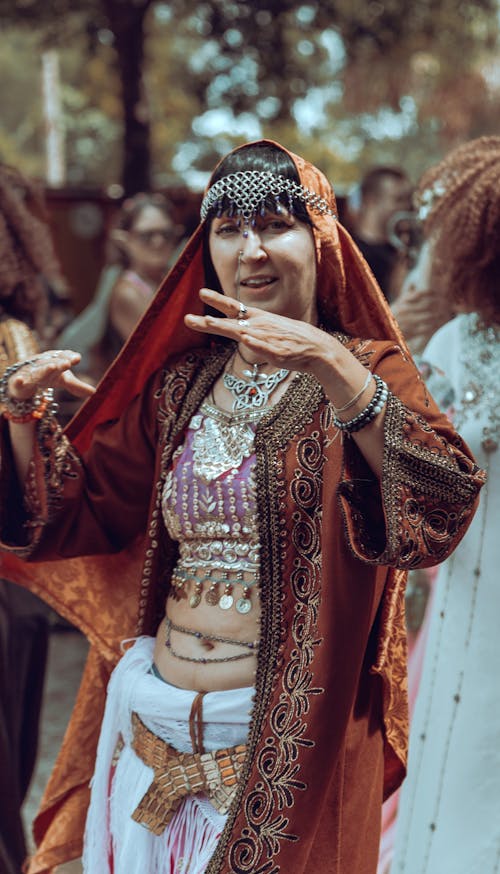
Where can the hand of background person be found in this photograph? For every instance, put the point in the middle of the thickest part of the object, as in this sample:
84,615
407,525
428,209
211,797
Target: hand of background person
415,310
419,313
276,339
48,370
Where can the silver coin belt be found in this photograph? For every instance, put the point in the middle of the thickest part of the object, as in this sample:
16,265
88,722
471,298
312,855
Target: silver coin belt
221,588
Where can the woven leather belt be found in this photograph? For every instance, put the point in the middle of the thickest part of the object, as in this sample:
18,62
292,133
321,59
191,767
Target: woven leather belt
180,774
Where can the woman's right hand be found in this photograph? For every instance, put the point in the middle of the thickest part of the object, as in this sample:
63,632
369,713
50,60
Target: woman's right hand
48,370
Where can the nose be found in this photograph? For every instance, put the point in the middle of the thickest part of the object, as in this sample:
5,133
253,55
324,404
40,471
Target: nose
160,238
252,246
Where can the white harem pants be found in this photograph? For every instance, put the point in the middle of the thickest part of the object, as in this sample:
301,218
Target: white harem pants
114,842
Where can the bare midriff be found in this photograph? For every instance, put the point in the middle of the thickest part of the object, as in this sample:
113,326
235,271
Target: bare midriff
210,676
209,638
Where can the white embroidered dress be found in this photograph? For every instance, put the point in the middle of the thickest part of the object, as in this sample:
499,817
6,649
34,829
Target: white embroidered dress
449,814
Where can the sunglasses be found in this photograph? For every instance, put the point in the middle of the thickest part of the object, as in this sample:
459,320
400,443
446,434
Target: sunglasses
167,235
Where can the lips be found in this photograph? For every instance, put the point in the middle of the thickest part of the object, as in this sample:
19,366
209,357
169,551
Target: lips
257,281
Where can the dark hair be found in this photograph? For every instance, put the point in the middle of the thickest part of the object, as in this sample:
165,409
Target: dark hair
130,211
262,157
27,255
372,180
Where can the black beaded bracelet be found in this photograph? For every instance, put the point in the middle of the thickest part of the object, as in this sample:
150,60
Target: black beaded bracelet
370,412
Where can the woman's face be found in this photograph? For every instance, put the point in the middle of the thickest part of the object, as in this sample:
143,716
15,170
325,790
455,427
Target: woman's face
150,241
277,270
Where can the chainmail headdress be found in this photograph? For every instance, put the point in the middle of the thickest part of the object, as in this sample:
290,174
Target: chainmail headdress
253,192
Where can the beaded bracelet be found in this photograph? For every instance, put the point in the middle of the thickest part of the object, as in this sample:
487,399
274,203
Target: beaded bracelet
15,406
40,404
21,411
370,412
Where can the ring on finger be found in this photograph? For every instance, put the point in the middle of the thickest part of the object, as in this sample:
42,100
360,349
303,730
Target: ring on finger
242,314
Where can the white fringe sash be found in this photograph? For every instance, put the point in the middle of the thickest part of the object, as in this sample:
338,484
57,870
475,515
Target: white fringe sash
114,842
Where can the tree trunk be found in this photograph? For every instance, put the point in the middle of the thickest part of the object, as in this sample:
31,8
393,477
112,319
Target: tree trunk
126,20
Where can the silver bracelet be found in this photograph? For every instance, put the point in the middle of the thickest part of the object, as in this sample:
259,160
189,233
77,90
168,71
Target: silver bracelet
356,396
16,406
370,412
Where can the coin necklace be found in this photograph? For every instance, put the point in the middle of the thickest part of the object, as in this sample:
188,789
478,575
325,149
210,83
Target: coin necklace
252,390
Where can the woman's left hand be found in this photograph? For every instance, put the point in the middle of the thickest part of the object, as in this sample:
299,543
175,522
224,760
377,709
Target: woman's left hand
278,340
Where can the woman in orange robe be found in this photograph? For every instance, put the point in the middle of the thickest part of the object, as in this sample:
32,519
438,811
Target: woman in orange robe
357,478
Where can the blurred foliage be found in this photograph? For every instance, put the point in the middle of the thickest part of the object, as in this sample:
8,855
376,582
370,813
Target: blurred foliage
347,82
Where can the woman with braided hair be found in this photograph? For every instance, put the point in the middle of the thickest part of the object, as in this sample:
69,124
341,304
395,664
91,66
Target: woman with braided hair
27,259
246,490
449,814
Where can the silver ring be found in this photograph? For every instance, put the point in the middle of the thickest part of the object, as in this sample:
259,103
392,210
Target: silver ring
242,313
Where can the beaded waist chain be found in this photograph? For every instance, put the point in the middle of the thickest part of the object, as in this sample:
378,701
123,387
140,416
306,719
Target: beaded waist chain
177,775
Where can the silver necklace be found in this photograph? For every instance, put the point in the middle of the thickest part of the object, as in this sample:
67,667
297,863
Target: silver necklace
252,390
222,441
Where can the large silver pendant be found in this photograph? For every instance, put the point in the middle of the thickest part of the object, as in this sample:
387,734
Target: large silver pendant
252,391
220,446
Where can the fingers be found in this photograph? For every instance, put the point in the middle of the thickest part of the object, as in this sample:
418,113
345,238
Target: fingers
236,312
222,302
76,386
41,372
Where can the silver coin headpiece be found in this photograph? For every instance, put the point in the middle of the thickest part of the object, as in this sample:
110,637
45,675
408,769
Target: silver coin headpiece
253,192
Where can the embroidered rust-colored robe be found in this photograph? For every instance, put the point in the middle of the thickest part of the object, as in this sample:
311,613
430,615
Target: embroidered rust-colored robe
328,733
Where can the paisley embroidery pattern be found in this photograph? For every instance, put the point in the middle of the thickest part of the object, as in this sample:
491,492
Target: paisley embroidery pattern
414,471
55,460
180,395
277,754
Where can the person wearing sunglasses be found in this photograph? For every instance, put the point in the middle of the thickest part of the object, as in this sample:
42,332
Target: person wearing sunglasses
142,243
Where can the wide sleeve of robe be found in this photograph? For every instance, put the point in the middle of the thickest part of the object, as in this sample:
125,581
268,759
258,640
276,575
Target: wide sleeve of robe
430,481
414,517
77,506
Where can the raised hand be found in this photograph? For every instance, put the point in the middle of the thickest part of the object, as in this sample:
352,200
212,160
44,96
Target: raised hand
48,370
278,340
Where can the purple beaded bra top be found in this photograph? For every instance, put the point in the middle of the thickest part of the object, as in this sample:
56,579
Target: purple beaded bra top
209,507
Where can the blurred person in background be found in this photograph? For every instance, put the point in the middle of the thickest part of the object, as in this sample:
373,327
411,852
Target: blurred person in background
383,192
419,310
449,814
142,243
28,268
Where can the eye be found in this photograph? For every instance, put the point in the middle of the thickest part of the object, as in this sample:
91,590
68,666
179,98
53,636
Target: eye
277,225
227,230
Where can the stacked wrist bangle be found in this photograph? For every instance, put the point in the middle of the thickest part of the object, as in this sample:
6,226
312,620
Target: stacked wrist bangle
356,397
22,411
370,412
